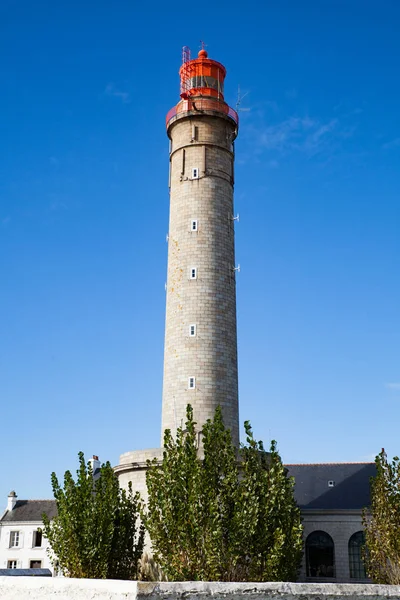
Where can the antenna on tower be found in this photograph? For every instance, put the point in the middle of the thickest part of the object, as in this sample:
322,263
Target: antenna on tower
239,100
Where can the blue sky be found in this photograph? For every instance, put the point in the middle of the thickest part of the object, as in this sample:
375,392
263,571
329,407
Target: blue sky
84,213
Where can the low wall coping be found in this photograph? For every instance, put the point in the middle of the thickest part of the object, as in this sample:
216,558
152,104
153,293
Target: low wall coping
42,588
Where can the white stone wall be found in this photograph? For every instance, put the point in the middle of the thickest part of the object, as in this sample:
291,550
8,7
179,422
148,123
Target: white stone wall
203,142
25,552
47,588
340,525
41,588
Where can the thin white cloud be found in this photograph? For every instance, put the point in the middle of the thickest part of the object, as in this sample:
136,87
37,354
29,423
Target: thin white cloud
273,164
303,134
263,132
58,205
393,386
316,139
392,144
113,91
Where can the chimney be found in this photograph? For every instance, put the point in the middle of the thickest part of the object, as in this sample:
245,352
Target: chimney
95,463
12,500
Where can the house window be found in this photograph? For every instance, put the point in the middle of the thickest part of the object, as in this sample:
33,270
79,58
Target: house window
11,564
35,564
192,330
193,273
356,564
192,383
193,225
195,173
37,539
14,539
320,555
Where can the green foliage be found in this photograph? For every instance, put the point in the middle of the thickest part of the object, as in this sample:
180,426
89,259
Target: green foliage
271,518
96,532
226,516
382,523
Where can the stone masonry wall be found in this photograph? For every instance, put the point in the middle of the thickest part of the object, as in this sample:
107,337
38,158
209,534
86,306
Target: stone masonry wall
42,588
132,469
203,142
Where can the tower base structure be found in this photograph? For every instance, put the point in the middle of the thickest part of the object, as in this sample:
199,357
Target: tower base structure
132,469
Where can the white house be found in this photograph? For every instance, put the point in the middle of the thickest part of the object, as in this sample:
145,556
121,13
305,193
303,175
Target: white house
22,545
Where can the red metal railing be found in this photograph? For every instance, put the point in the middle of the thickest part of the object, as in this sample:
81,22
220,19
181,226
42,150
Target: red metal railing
171,113
202,104
233,115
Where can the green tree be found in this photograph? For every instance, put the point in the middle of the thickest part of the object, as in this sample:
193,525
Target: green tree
218,514
96,533
270,517
382,523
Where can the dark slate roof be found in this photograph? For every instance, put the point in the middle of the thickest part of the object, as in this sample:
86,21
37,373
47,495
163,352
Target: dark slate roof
26,572
351,489
31,510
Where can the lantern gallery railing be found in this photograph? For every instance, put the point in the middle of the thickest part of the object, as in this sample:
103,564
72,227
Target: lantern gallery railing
202,104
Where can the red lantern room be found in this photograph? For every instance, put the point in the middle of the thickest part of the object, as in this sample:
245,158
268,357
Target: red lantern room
202,86
201,77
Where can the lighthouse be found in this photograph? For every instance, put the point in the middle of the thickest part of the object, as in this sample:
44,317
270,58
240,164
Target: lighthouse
200,352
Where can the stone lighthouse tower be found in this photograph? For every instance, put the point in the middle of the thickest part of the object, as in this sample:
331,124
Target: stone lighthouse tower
200,355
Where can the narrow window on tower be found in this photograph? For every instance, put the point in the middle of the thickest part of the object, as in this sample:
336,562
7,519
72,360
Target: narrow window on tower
183,162
193,225
195,173
192,330
193,273
192,383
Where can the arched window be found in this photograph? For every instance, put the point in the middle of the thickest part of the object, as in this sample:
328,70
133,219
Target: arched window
357,568
320,555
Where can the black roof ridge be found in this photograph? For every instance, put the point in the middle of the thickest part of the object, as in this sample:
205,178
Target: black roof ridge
36,500
355,462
